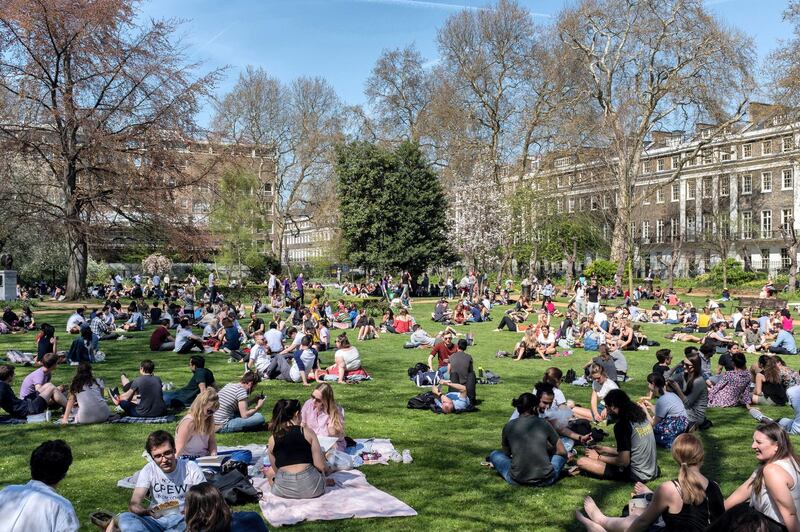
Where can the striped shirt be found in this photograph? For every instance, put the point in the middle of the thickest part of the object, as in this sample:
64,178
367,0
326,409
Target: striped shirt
229,397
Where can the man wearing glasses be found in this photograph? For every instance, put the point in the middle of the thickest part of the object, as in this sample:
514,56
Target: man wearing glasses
166,479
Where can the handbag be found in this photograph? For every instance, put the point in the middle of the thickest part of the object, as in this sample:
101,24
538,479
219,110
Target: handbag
236,488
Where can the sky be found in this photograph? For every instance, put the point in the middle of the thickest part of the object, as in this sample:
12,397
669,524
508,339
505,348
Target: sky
340,40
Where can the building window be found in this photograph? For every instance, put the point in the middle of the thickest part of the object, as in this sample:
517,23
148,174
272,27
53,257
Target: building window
747,184
766,224
708,227
674,225
787,220
690,189
676,192
660,165
184,203
707,156
646,232
660,231
766,182
786,259
787,143
560,206
724,185
559,181
595,205
605,201
267,188
632,229
659,195
747,225
747,151
647,166
562,162
725,154
676,161
707,187
690,227
787,182
571,205
766,147
764,259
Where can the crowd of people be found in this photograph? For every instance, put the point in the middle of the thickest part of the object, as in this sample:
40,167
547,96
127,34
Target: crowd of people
286,336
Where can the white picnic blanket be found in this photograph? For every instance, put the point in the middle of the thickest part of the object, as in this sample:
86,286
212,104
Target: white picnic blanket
351,497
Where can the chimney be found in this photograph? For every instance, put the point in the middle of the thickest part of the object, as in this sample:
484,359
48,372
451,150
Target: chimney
760,112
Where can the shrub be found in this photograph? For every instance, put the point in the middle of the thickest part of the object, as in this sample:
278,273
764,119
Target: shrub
98,272
156,264
737,276
603,269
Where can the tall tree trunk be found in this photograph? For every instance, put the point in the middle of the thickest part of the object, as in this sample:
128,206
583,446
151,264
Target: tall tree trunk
78,263
793,266
571,258
503,264
619,242
534,258
671,272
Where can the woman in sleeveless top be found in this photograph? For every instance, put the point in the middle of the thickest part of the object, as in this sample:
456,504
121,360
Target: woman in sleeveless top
769,388
86,393
774,488
297,466
194,435
688,504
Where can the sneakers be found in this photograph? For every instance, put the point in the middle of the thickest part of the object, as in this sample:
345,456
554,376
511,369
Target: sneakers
407,456
760,417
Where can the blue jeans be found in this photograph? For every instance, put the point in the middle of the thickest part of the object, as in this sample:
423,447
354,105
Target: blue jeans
502,464
130,522
170,397
129,408
242,424
792,426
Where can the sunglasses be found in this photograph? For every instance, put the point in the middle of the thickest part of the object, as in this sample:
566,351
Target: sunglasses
165,454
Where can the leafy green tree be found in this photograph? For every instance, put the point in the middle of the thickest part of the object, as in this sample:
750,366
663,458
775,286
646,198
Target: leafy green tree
565,238
393,209
603,269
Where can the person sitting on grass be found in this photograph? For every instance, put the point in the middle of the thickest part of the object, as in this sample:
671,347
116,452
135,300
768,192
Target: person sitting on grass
663,361
442,352
689,503
161,339
165,479
185,340
346,358
82,348
230,336
752,340
207,511
148,387
37,506
403,321
135,319
454,401
545,343
526,347
201,380
46,342
76,321
532,453
306,362
86,392
37,384
769,388
366,326
15,407
256,325
690,385
668,416
233,414
603,359
297,466
195,434
733,389
784,344
324,416
601,386
634,458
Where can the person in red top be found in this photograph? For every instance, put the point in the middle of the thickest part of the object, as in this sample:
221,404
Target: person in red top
443,350
161,340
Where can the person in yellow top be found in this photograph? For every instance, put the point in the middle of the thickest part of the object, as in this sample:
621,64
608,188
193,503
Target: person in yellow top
704,320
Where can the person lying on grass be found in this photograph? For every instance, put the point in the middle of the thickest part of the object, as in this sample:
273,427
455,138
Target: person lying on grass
451,402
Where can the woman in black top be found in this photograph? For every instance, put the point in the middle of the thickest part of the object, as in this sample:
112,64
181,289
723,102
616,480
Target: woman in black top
297,466
688,504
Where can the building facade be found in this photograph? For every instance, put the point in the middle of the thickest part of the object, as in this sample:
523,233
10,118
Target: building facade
306,241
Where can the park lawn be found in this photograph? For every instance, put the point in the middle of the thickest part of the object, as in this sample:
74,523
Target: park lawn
445,484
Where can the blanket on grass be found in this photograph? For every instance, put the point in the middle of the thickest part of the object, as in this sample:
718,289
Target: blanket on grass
131,419
351,497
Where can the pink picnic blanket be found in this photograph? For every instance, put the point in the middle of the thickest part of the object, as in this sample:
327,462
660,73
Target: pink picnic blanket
352,496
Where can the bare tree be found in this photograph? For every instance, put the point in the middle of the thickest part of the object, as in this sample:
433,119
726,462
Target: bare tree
101,109
296,126
648,64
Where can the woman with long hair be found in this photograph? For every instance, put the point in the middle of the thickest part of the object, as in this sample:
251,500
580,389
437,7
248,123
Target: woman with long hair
601,387
668,415
323,415
634,458
774,488
691,387
207,511
86,392
297,466
526,347
733,388
346,358
195,434
689,503
769,388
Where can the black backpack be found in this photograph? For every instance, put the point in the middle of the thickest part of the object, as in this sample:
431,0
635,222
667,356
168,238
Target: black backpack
419,367
236,488
570,376
423,401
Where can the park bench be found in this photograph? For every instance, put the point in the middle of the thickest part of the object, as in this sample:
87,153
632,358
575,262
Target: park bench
761,303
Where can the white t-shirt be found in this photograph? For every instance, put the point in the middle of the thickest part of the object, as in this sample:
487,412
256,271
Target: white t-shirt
603,389
260,356
307,356
36,506
670,405
600,317
76,320
546,340
580,293
181,337
211,279
672,314
350,357
165,487
274,339
324,335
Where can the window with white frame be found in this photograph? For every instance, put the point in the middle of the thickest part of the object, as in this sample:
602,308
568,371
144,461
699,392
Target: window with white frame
766,224
676,191
606,231
646,231
571,205
747,184
725,154
786,259
708,226
632,229
766,147
707,182
690,189
562,162
764,258
660,165
708,156
787,181
647,166
787,143
559,181
560,206
645,197
660,231
674,226
747,151
659,195
747,225
605,201
691,226
786,219
766,181
595,204
676,161
724,185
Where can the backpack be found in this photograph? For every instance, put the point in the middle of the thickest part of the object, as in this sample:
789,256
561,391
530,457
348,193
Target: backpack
419,367
570,376
426,378
236,488
583,427
423,401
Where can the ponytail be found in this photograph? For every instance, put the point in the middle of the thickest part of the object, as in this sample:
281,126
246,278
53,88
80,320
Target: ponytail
687,451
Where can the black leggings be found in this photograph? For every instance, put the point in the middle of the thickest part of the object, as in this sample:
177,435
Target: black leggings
507,322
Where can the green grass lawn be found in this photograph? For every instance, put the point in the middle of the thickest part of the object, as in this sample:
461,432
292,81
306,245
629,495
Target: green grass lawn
445,484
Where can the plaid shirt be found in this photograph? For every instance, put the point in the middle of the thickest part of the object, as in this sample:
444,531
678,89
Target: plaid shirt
98,326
